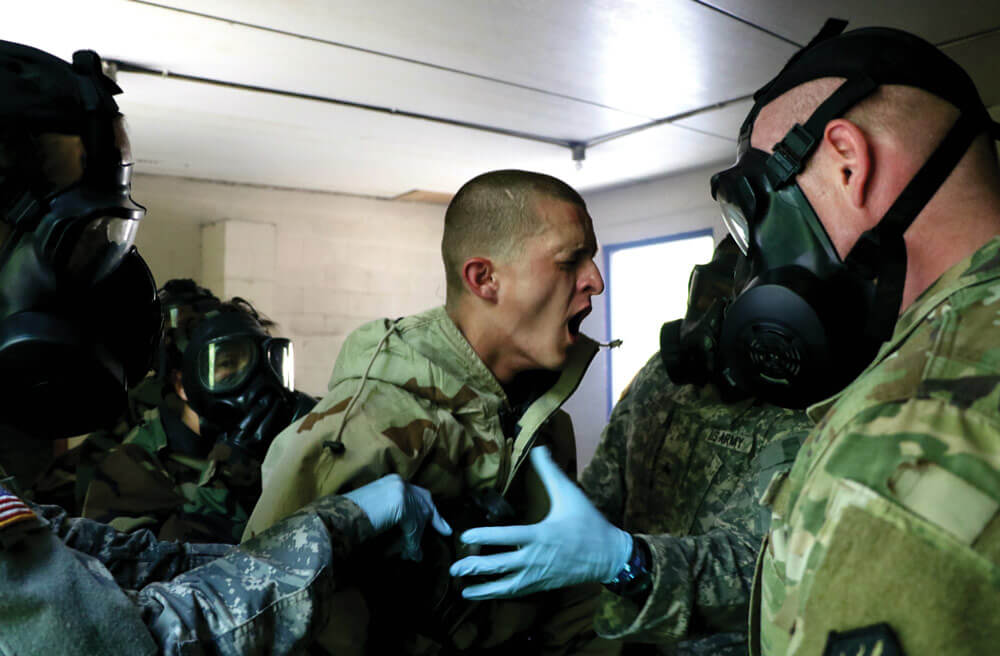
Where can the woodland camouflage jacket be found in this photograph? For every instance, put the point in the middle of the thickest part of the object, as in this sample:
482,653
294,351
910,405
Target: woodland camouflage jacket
890,512
683,468
65,480
150,481
431,411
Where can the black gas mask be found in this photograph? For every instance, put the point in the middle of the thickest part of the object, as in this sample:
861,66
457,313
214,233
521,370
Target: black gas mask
79,318
240,381
689,347
806,322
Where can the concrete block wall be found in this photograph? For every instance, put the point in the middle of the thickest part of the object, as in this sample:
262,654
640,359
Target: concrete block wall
318,264
367,260
170,238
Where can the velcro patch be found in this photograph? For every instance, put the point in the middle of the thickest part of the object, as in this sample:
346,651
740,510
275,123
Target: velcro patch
730,440
873,640
943,498
12,509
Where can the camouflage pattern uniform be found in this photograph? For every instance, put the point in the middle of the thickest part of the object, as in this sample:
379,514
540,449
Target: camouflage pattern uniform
683,469
890,512
431,411
74,586
160,478
65,479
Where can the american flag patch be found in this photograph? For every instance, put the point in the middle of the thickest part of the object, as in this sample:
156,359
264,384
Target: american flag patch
12,509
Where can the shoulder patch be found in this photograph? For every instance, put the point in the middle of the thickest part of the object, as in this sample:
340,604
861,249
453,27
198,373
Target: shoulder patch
12,509
874,640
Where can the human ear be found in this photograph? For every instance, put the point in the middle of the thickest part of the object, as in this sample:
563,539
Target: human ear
851,159
479,277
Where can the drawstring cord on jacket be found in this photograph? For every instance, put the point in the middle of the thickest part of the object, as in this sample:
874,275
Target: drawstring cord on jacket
336,445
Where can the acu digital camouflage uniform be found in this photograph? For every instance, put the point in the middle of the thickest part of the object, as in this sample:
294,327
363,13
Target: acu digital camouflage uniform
683,469
890,512
428,409
166,478
73,586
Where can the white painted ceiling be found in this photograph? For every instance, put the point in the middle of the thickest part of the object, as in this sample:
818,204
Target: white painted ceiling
559,70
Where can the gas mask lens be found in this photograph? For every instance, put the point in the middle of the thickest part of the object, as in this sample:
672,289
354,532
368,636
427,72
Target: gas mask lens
99,249
282,361
736,224
736,199
226,363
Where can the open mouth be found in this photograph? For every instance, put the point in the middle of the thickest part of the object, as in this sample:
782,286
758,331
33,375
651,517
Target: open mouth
576,320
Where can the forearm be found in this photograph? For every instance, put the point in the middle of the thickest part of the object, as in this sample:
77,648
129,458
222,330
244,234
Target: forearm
699,583
266,596
134,559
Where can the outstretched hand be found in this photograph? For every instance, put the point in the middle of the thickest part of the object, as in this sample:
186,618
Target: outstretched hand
573,544
391,501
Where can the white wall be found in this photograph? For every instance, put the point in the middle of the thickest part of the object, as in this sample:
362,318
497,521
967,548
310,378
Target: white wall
656,208
170,236
319,264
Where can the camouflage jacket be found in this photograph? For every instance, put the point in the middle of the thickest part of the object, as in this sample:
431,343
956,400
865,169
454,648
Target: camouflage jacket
684,469
431,411
53,480
890,512
74,586
158,479
64,482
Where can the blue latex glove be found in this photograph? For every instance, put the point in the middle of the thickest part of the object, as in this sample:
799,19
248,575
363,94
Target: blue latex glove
573,544
391,501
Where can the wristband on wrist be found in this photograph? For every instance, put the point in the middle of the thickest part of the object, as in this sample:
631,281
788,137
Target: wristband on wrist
635,578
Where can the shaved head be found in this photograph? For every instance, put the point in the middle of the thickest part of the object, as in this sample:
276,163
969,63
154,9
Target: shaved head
492,215
905,115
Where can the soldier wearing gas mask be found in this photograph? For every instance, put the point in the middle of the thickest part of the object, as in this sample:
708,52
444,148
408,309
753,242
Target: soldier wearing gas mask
191,470
78,323
69,269
866,195
183,303
678,471
240,380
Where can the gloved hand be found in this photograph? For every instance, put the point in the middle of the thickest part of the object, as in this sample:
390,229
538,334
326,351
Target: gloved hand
391,501
573,544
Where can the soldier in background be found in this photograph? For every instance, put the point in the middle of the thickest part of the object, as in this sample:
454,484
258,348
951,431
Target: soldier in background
869,161
78,323
680,466
191,470
183,303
